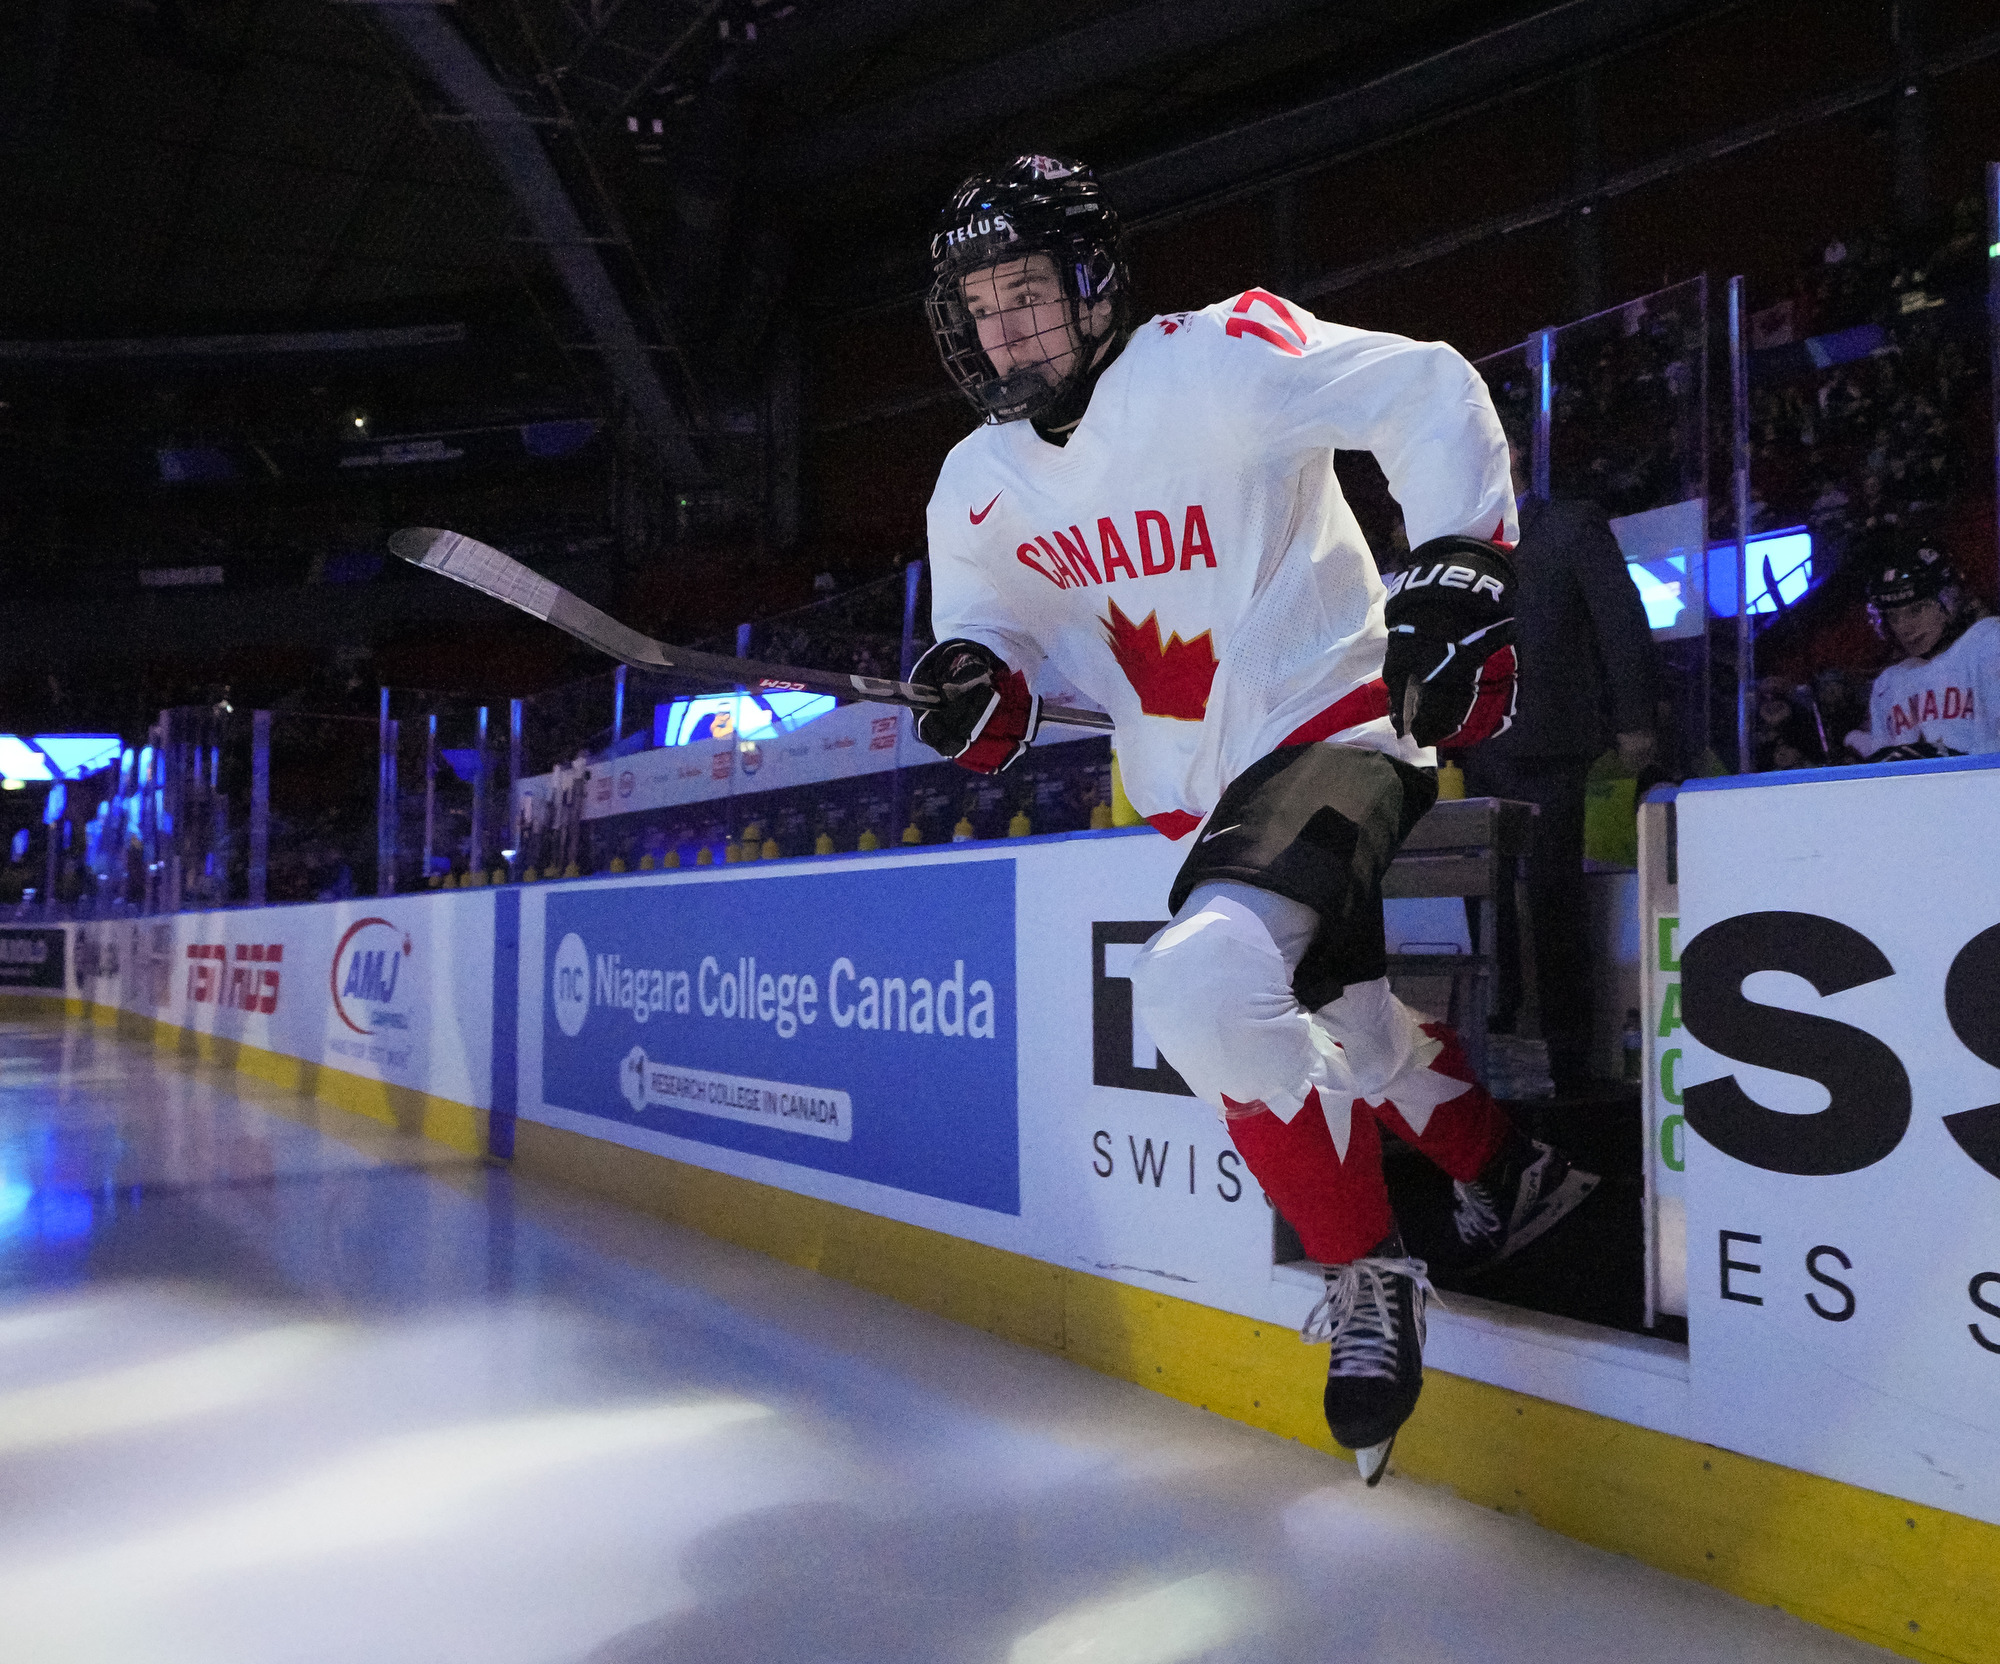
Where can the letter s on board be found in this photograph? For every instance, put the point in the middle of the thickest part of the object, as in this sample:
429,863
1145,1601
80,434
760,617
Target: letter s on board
1990,1307
1972,1007
1846,1294
1869,1091
1101,1143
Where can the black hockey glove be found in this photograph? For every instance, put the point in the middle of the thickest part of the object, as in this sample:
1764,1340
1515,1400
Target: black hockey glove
987,718
1450,663
1911,751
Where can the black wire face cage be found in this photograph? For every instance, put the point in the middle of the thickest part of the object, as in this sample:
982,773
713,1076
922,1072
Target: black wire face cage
1087,274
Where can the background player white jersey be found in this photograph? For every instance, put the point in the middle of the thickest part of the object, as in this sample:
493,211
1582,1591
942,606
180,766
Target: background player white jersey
1949,702
1945,696
1187,559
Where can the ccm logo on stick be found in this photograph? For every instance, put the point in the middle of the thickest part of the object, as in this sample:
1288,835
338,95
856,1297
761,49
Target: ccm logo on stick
1869,1101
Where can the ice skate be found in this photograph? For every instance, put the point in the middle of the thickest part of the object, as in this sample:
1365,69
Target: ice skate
1525,1190
1372,1314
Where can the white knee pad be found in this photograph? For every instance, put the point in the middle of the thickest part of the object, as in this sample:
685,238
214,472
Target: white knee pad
1377,1031
1216,994
1387,1051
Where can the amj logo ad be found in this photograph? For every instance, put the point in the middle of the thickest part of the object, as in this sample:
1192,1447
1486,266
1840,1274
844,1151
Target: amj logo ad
370,981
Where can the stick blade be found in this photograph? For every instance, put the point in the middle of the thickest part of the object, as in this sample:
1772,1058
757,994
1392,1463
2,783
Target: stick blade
413,543
476,565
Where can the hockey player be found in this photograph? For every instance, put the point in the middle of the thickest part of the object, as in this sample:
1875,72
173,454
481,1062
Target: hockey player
1943,698
1152,510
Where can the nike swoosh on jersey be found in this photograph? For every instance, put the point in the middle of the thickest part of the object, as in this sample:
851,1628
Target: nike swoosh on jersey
1218,832
988,509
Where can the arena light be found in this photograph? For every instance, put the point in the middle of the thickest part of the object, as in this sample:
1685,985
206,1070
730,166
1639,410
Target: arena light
75,755
722,716
1663,558
1781,572
20,761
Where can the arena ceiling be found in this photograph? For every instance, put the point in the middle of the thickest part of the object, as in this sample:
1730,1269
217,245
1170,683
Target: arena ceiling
174,166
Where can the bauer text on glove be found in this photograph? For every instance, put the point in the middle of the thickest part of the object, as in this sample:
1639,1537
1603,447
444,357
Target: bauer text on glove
1450,663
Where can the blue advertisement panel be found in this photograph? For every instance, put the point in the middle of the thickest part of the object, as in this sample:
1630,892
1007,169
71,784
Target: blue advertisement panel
861,1023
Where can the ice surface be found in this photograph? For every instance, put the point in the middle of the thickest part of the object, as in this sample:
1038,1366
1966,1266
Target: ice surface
278,1384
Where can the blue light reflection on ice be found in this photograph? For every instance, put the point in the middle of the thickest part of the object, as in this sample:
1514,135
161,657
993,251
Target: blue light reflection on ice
29,1213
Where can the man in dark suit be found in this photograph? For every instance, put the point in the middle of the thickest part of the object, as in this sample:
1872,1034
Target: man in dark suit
1587,680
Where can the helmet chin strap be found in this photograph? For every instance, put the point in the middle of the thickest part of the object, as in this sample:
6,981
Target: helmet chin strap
1056,423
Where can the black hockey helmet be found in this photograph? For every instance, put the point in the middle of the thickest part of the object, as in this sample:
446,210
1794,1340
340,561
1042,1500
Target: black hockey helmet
1034,205
1926,574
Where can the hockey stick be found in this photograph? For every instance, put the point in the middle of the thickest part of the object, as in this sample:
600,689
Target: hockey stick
481,567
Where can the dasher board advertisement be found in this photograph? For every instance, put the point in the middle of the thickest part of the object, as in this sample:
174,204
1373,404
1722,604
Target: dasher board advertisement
32,957
1841,1083
862,1023
397,989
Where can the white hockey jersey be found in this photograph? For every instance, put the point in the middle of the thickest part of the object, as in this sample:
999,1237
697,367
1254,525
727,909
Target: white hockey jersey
1952,700
1187,560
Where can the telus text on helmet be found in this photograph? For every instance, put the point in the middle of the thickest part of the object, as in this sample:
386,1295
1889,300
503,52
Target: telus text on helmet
985,225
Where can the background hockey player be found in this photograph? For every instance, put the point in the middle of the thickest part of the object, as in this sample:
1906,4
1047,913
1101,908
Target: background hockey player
1943,698
1153,511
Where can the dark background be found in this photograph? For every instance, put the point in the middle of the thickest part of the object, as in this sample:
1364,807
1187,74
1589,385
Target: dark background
701,228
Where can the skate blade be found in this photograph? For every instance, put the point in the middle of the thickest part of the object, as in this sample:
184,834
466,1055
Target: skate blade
1569,1196
1374,1461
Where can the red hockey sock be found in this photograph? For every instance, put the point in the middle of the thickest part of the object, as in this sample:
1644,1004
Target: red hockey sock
1463,1133
1340,1208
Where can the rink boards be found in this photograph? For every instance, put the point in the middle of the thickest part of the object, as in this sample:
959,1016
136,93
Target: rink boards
922,1072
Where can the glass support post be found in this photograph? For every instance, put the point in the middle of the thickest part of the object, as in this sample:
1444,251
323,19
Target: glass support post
514,712
173,753
617,716
475,852
430,793
1702,735
1993,305
1739,418
51,833
913,578
260,806
1542,352
385,797
149,835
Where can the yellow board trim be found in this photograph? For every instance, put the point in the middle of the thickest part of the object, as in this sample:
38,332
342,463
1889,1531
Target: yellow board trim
1916,1580
444,1121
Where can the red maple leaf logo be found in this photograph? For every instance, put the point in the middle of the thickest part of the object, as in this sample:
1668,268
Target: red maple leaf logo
1172,680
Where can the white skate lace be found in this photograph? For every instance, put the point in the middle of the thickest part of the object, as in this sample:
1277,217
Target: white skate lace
1357,1314
1475,1217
